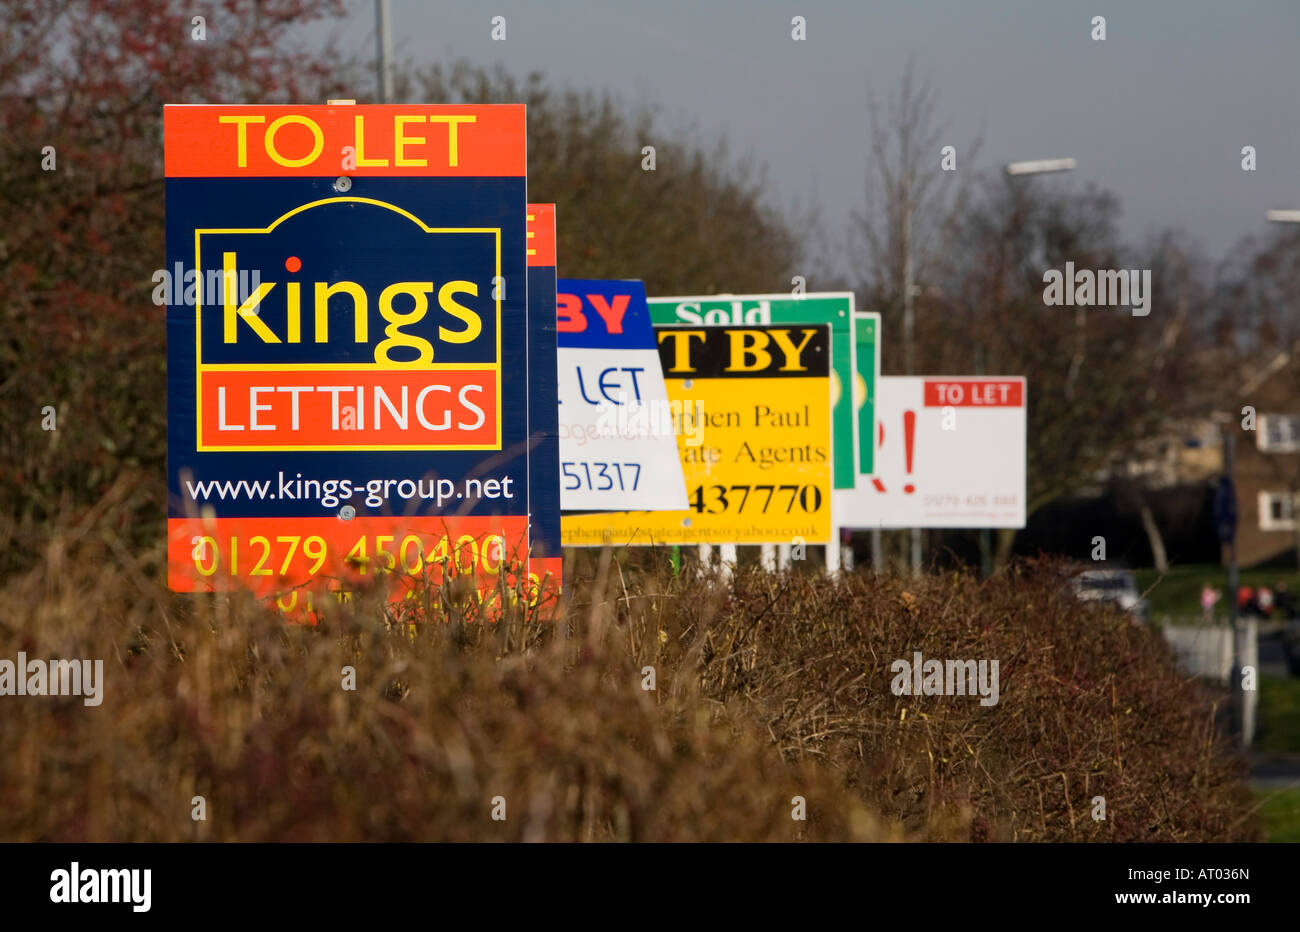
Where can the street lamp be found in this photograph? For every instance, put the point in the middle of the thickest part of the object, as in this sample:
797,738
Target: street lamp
1283,216
383,51
1035,167
1040,166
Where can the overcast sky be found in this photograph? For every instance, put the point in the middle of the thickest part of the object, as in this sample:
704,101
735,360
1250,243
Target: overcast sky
1157,113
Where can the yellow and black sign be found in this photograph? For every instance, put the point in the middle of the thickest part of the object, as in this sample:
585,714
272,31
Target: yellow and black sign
751,409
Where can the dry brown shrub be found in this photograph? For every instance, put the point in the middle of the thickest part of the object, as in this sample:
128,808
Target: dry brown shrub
214,696
1090,704
772,687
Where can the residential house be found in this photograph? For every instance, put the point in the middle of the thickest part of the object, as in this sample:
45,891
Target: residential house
1267,472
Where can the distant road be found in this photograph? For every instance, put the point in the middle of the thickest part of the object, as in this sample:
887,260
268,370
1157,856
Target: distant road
1275,771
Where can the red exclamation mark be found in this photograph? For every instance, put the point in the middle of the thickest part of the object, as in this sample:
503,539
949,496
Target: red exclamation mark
880,442
909,436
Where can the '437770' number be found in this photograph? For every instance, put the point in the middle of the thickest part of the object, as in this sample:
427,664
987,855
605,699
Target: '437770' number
715,499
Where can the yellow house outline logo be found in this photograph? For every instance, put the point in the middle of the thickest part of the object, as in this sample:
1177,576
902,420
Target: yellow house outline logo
200,367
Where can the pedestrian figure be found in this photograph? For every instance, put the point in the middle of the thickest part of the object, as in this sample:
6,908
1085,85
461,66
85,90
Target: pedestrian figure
1209,596
1282,602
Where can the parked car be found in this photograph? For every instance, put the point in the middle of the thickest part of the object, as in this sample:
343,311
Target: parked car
1117,586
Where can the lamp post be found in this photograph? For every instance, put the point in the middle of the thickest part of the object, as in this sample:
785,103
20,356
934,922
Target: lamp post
1245,639
909,333
1015,169
383,52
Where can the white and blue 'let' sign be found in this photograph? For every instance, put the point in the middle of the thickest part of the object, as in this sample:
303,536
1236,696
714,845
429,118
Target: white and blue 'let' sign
618,433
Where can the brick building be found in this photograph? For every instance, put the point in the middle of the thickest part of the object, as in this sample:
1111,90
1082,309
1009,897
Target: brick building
1267,470
1176,470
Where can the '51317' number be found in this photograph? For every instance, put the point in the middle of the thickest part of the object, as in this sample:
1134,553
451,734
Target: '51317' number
601,477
